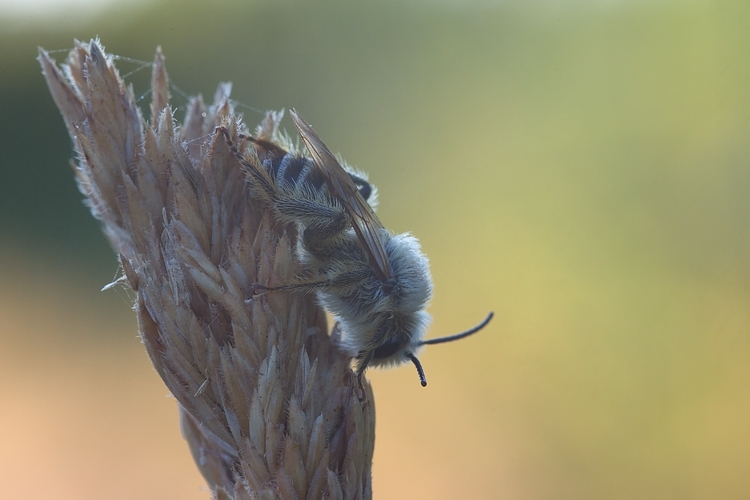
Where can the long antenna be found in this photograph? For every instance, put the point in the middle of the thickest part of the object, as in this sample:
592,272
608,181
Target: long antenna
451,338
420,371
440,340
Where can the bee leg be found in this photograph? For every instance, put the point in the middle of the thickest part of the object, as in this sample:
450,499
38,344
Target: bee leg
362,362
306,287
362,396
323,223
342,281
258,178
361,366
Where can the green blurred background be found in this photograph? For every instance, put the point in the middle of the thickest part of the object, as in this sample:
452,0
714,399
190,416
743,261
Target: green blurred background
579,167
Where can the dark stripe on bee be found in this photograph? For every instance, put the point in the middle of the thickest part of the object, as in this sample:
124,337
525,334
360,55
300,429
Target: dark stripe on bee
301,171
364,187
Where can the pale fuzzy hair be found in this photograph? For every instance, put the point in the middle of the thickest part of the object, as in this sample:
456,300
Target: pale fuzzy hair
411,271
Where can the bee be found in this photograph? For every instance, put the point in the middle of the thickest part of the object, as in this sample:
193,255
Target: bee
375,284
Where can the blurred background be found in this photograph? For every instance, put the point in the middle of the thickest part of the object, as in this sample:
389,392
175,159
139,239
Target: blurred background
580,167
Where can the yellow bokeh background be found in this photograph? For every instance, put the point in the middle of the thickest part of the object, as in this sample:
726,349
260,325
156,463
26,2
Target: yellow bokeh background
581,167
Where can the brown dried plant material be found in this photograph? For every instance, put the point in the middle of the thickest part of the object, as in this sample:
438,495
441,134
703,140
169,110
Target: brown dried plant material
269,407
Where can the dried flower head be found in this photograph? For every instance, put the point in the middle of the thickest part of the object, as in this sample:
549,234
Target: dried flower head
268,405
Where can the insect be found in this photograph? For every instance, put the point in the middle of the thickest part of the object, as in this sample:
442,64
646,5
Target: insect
375,284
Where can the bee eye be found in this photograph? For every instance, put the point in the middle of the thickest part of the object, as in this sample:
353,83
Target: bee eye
388,349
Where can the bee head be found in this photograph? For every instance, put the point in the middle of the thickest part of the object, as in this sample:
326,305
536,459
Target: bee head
402,339
401,346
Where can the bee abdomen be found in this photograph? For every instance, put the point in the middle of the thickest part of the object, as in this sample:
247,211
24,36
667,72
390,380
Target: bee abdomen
298,173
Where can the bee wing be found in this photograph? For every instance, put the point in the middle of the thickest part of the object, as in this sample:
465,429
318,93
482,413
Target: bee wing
364,221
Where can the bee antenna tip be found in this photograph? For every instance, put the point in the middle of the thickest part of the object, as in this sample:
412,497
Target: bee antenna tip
420,371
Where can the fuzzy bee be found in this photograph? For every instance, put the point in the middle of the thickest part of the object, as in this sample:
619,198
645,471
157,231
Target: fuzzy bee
375,284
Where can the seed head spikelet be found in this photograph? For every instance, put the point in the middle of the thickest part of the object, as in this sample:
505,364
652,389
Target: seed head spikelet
268,405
